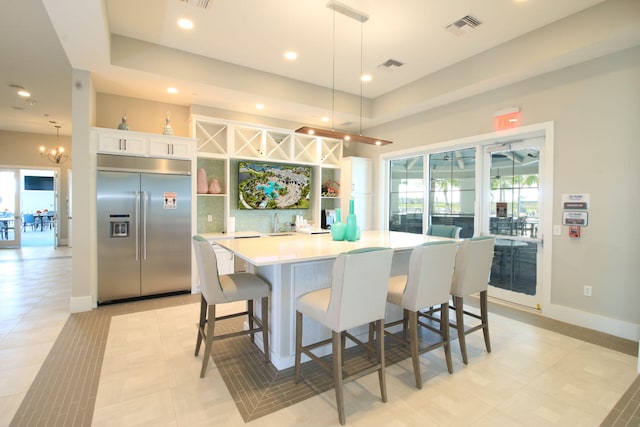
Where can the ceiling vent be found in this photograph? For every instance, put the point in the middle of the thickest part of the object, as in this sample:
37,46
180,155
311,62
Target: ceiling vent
390,64
202,4
463,25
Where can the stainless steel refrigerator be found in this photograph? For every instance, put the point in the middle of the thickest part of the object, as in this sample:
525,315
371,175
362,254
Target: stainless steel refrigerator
144,227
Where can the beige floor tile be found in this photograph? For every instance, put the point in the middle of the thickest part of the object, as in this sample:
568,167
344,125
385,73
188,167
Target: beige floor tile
17,380
154,409
8,407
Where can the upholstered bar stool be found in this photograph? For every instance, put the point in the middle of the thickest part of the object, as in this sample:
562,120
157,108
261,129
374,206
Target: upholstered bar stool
452,231
357,296
470,276
218,289
427,284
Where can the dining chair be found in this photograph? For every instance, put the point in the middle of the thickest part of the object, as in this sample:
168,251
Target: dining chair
28,220
426,284
357,296
471,276
219,289
451,231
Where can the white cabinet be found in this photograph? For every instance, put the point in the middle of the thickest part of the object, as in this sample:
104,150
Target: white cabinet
356,184
143,144
170,147
225,260
121,142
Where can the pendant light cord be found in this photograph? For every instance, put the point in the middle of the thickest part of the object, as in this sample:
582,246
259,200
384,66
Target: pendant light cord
361,56
333,75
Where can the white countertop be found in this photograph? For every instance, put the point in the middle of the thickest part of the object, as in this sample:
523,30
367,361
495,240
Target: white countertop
260,249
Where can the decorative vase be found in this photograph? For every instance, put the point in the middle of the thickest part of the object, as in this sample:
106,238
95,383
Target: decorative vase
351,233
123,124
202,182
214,187
338,227
167,127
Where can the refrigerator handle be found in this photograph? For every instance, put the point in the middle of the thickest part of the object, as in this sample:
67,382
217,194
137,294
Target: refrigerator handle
144,225
137,222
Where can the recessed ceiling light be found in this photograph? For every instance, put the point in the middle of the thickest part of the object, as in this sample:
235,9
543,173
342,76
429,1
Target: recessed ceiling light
366,77
260,106
185,24
325,119
172,90
291,55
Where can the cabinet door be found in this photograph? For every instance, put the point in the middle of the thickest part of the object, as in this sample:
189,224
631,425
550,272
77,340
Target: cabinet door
169,148
356,173
121,143
225,260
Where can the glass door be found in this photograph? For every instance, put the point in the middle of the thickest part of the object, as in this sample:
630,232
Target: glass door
9,208
406,195
512,175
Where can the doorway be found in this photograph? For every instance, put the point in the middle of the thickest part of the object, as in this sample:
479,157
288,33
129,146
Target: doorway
511,212
28,208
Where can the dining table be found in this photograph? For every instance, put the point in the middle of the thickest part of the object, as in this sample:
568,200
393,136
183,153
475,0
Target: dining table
297,263
41,217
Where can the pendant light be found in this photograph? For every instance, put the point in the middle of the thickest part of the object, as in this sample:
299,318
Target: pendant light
56,154
332,133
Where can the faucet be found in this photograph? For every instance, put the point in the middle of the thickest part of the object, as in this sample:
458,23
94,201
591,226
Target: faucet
276,223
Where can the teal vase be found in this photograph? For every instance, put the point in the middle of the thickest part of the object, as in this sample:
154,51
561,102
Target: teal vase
338,228
351,234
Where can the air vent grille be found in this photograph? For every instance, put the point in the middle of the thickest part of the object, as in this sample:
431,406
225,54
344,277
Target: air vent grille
390,64
202,4
463,25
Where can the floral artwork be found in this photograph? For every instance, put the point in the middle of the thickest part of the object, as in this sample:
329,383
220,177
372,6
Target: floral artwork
330,188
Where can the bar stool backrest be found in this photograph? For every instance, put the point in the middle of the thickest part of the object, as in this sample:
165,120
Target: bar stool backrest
359,288
207,261
473,266
429,275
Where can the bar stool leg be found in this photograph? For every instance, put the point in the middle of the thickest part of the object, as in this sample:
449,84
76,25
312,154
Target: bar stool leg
201,323
413,339
208,343
265,328
296,374
337,374
460,327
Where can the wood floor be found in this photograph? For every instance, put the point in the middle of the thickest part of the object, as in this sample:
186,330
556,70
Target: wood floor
133,364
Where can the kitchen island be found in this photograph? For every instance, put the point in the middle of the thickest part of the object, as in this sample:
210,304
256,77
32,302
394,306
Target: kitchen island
295,263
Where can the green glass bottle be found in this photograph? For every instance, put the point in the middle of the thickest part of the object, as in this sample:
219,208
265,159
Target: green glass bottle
338,227
351,233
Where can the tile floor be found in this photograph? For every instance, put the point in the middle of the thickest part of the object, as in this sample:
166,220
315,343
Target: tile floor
148,375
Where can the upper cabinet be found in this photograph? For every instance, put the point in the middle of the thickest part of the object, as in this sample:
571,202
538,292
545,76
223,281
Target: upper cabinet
244,141
143,144
170,147
356,175
121,142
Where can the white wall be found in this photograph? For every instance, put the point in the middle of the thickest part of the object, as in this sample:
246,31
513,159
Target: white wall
595,107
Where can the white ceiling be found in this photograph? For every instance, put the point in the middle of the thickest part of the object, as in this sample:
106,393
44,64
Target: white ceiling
246,39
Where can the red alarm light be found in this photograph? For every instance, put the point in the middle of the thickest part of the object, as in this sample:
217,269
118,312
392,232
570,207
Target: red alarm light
506,119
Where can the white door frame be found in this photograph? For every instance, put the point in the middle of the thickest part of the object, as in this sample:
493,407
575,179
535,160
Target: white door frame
17,223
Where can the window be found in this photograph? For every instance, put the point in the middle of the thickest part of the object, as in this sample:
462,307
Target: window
452,192
406,194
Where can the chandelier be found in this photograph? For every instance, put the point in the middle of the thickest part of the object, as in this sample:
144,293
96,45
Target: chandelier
56,154
332,133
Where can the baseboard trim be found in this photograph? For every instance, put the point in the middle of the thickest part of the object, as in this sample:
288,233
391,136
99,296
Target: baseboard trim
80,304
618,328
